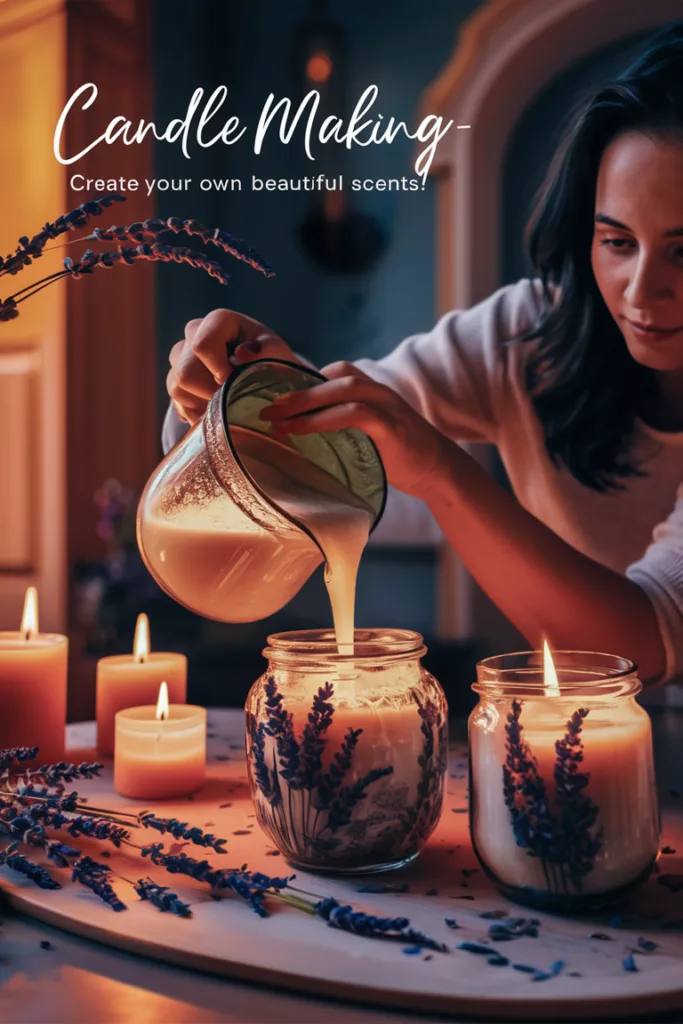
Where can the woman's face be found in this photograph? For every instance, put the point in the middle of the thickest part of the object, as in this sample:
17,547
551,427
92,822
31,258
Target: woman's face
637,251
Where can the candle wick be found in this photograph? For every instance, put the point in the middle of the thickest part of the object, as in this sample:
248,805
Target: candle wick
140,658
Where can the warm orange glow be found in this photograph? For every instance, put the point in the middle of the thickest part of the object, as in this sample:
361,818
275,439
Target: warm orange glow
550,683
141,642
162,703
29,619
319,67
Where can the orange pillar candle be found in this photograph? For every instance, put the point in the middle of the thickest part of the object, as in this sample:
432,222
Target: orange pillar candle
33,677
129,680
160,751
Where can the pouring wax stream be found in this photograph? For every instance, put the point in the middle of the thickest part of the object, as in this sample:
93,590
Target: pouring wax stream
339,521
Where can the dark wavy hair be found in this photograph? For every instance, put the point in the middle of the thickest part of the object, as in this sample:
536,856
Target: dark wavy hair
585,386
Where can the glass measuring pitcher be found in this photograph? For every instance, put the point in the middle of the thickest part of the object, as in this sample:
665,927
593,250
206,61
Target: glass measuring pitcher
214,532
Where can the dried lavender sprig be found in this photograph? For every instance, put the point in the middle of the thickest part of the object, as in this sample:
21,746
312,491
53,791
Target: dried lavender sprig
349,920
182,830
56,774
161,897
80,825
266,779
95,876
145,251
17,862
96,828
31,249
30,833
153,227
66,771
59,801
313,739
251,887
280,725
16,754
90,259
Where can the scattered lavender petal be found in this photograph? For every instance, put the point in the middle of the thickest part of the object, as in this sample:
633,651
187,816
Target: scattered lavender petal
475,947
674,883
451,922
647,944
382,887
628,963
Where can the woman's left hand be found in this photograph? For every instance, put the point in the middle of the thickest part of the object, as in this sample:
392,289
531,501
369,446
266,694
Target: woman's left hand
413,451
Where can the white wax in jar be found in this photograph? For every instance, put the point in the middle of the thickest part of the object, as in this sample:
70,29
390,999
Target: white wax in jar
617,755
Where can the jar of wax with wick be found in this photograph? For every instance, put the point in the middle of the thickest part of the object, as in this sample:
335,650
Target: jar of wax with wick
228,522
563,804
347,753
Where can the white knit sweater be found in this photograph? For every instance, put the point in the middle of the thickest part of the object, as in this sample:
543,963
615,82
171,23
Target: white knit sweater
463,379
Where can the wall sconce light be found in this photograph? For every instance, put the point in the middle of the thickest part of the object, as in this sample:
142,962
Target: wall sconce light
339,239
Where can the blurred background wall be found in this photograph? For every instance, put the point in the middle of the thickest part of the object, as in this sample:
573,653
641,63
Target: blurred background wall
148,56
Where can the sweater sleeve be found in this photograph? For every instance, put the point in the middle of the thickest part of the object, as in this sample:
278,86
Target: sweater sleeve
173,429
456,375
660,574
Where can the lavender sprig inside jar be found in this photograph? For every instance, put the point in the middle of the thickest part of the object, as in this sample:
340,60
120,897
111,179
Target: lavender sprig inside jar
347,754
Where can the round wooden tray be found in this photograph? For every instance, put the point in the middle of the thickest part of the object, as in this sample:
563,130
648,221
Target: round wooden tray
299,951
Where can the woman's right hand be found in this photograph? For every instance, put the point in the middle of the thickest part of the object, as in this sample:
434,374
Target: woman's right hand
211,349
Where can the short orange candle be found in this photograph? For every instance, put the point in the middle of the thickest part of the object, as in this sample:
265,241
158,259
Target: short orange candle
160,751
33,677
130,680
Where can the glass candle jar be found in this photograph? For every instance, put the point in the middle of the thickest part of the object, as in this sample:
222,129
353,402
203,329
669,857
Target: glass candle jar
347,754
211,527
563,802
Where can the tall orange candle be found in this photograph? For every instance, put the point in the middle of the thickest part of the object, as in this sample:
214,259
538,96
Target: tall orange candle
129,680
33,678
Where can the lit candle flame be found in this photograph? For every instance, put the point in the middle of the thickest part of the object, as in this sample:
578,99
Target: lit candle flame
162,702
551,687
141,641
29,619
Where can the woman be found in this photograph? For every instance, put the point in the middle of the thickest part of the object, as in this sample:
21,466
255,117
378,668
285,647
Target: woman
576,375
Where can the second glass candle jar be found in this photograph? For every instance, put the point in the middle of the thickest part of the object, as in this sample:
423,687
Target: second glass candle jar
563,803
347,755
